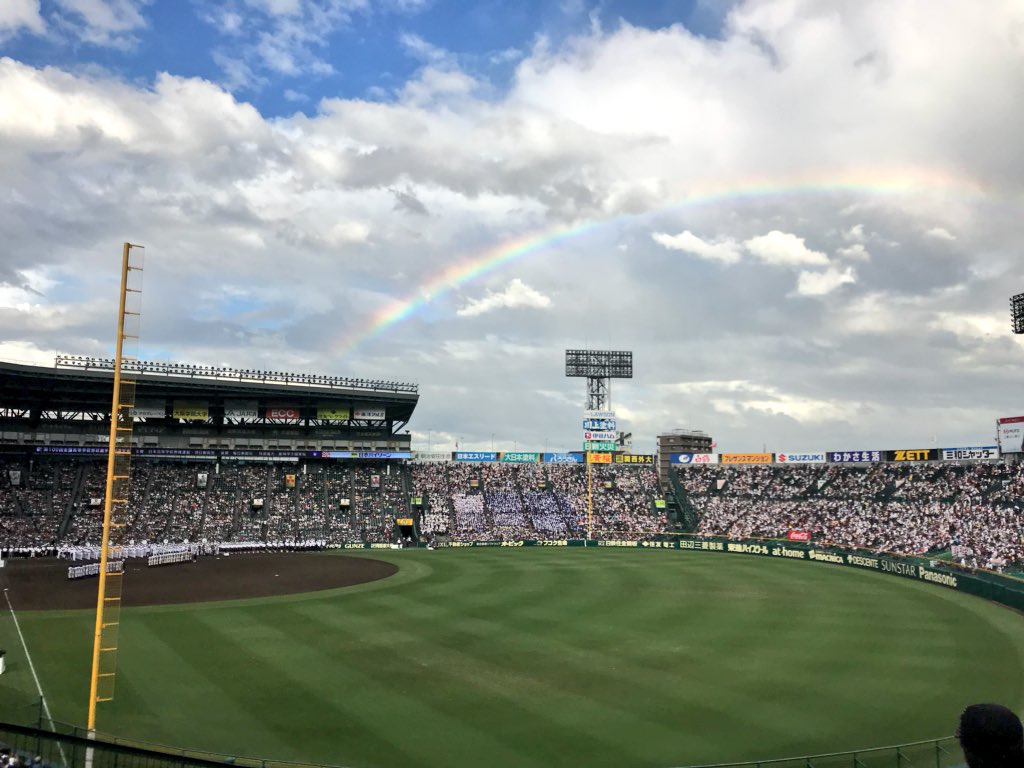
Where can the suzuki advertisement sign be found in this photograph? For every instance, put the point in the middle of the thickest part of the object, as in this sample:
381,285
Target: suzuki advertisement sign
800,458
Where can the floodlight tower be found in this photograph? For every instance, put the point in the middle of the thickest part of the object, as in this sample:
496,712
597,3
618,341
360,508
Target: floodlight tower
1017,312
598,367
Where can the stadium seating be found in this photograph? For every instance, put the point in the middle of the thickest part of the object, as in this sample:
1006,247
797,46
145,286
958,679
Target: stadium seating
970,512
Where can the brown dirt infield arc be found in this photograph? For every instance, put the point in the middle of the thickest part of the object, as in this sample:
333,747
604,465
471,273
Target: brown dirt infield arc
42,584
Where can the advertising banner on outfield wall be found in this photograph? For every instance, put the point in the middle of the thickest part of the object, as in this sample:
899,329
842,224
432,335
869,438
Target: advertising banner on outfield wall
431,456
194,411
800,458
512,457
599,458
150,409
913,454
745,458
241,409
854,457
476,456
634,458
333,413
978,453
1010,434
370,414
563,458
693,458
282,413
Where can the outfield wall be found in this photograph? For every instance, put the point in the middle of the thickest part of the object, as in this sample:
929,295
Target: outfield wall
1005,590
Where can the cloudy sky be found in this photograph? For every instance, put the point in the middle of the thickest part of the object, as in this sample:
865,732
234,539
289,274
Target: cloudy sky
805,217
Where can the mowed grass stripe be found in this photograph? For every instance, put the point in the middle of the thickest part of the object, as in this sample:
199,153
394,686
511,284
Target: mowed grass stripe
493,691
597,657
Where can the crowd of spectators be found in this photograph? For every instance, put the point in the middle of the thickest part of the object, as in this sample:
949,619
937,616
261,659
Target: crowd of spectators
972,510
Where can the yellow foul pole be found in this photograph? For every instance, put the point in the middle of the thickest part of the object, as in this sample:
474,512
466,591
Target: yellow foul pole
118,462
590,500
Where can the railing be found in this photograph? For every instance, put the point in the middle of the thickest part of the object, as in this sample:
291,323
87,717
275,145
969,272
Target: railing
937,753
234,374
70,747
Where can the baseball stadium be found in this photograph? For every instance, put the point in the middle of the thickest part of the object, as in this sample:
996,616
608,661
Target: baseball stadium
287,581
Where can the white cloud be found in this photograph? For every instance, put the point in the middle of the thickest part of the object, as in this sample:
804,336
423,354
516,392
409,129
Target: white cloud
822,283
517,294
612,135
726,251
104,22
856,252
940,233
18,14
783,249
854,234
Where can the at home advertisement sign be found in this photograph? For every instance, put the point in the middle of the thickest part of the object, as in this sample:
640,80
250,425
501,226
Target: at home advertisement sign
1010,433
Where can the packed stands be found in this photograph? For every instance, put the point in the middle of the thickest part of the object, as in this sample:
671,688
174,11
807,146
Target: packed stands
970,512
973,511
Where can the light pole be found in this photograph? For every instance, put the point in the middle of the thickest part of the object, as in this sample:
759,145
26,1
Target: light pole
492,442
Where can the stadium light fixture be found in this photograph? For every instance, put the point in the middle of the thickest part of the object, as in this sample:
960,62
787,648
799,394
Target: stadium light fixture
1017,312
598,367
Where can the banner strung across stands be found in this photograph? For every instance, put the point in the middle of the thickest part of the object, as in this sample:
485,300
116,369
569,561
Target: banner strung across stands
195,411
403,521
693,458
800,458
563,458
659,504
372,414
1010,434
634,458
282,413
476,456
241,409
745,458
980,453
854,457
364,454
431,456
510,457
798,535
332,413
150,409
912,454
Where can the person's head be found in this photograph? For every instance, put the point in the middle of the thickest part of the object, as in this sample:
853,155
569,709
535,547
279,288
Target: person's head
991,736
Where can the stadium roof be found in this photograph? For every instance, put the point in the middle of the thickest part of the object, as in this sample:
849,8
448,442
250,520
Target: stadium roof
85,385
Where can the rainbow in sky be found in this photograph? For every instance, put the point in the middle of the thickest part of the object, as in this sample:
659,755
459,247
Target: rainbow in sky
874,183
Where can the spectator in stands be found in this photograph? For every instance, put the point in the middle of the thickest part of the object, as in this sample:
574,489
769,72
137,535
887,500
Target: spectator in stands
991,736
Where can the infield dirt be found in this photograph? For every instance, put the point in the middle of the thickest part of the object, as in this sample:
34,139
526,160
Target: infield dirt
42,584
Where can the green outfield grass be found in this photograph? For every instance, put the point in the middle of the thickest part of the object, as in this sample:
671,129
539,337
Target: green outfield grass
545,657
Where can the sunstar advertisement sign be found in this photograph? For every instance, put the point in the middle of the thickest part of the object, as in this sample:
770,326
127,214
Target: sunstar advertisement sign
696,459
